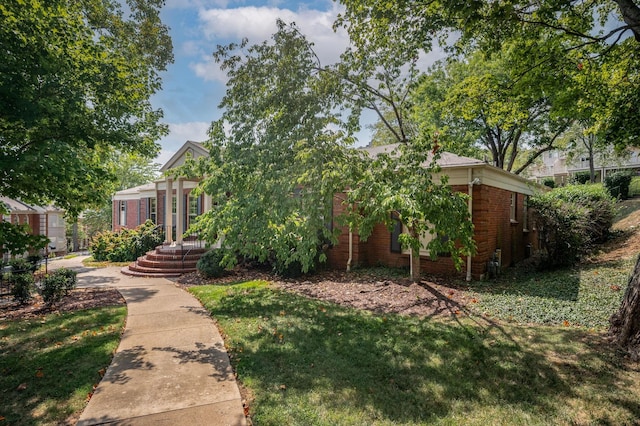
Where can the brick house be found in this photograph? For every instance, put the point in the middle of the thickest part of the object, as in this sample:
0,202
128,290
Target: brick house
503,229
48,221
498,207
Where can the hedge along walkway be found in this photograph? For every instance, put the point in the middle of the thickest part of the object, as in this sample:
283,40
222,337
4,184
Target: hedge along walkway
171,366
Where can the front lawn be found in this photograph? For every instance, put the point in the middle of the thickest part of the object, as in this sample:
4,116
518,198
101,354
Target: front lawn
310,362
49,364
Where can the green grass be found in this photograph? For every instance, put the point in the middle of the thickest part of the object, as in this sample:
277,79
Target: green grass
309,362
90,263
582,296
56,359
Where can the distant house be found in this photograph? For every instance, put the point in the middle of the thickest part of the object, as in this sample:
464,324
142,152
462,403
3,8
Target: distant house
498,206
557,165
48,221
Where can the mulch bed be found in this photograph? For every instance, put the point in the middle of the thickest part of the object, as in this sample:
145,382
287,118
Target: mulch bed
81,298
429,297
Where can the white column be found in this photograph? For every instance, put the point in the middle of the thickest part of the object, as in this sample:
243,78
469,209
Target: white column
168,211
207,203
179,211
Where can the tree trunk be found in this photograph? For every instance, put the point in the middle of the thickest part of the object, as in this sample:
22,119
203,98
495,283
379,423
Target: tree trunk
625,324
414,258
631,15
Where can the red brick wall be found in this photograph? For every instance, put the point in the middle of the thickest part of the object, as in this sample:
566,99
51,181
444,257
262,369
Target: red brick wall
493,229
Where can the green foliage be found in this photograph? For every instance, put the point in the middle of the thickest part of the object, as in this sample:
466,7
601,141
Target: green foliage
17,239
211,264
618,184
400,184
76,81
582,177
59,357
586,295
57,284
571,219
126,245
22,286
601,207
549,182
277,156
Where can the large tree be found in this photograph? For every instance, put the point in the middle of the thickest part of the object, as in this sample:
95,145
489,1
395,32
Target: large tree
277,156
75,85
281,153
481,105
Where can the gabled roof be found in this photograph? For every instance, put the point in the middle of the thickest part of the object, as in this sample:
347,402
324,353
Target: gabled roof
19,207
135,192
447,159
194,149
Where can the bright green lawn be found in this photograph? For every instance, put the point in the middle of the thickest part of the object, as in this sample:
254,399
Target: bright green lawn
48,365
309,362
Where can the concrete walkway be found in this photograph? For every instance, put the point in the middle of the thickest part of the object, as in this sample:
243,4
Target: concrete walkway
171,366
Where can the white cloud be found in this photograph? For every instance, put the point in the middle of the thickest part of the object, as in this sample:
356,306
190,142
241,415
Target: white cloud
259,23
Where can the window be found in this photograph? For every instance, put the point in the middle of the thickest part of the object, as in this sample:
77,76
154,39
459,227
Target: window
152,210
194,208
525,213
514,203
123,213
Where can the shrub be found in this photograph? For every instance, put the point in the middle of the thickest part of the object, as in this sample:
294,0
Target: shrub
126,245
57,284
562,229
570,219
599,204
582,178
549,182
211,264
22,285
22,266
618,184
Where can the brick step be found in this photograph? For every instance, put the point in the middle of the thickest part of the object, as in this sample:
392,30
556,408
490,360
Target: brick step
179,251
127,271
171,258
174,270
149,262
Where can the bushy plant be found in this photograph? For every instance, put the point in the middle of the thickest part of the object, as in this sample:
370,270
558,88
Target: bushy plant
600,205
22,285
549,182
211,264
618,184
126,245
582,178
57,285
21,266
570,219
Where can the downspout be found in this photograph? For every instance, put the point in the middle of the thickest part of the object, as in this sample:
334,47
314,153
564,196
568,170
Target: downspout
350,250
470,207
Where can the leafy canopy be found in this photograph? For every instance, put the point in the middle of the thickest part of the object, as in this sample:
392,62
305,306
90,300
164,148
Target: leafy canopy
75,83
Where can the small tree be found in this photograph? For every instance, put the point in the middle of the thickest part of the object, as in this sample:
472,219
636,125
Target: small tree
401,184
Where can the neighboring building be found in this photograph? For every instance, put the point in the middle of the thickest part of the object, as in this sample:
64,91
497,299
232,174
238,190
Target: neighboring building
498,205
48,221
556,164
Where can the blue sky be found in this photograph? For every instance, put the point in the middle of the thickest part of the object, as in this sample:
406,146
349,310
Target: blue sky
193,85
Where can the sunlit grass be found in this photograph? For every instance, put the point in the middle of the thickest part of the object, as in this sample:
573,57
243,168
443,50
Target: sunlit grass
309,362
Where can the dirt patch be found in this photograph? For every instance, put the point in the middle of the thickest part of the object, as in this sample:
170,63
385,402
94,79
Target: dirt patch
82,298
